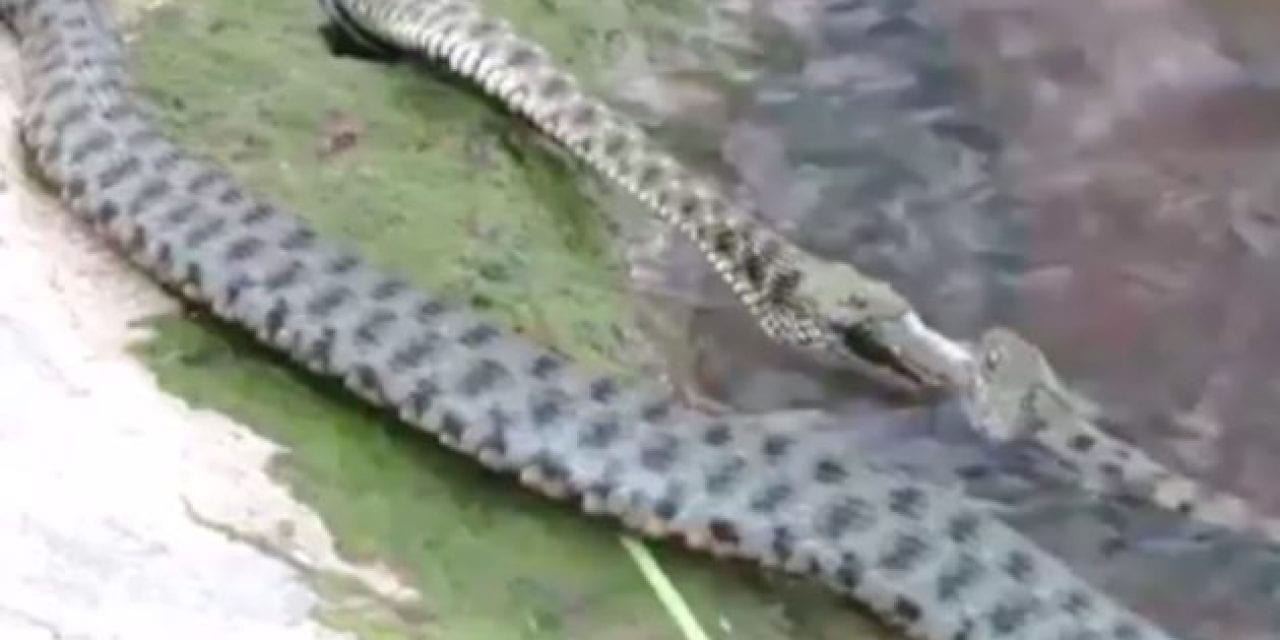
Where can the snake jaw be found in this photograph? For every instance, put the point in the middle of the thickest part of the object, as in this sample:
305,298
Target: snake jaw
845,346
903,345
860,341
846,319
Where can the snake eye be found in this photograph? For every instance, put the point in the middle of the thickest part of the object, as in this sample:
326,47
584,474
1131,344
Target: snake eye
992,359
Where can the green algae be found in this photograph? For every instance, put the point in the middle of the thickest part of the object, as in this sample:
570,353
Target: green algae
430,179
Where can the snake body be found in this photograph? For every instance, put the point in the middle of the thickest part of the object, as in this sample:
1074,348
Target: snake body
1020,396
830,309
779,490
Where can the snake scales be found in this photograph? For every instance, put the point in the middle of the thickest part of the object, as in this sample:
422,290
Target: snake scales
830,310
779,490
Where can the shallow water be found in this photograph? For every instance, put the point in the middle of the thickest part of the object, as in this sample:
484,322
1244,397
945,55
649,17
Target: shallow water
1100,175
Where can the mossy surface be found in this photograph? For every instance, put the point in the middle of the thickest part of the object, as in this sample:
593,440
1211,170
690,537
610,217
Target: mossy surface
429,179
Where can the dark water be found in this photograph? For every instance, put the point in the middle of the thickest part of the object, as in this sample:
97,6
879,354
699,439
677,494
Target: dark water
1101,175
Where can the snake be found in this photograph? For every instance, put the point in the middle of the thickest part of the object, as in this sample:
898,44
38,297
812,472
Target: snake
829,311
783,491
1021,396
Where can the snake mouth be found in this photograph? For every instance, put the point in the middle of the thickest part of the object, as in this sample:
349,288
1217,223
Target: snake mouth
861,342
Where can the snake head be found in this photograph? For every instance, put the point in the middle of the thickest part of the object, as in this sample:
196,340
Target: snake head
1007,371
845,319
1014,389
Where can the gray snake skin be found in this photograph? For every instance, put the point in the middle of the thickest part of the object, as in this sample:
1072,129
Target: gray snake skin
829,309
780,491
